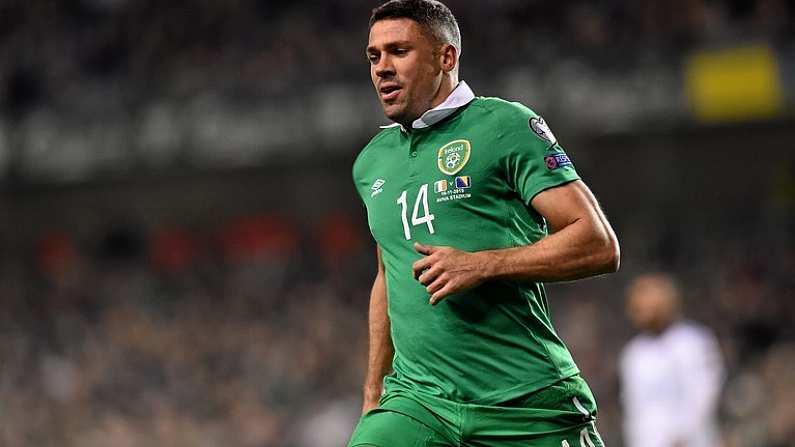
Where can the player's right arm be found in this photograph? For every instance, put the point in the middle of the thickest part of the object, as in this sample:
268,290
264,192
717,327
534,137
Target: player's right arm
381,350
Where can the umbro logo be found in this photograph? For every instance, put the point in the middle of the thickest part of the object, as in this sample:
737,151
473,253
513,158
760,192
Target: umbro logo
377,187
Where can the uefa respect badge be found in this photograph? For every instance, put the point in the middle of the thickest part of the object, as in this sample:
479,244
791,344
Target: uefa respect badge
453,156
556,160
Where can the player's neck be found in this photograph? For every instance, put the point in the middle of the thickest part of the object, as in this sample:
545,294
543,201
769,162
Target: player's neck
660,327
446,87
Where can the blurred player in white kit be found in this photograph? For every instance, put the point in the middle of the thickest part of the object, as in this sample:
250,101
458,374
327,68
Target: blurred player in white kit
671,373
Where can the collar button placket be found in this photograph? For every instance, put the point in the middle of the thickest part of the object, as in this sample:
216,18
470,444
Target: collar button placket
413,143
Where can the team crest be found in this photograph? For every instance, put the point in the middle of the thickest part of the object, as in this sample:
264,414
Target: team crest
453,156
540,128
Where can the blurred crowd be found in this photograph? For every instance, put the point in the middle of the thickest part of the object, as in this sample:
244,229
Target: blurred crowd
120,86
254,334
50,51
181,338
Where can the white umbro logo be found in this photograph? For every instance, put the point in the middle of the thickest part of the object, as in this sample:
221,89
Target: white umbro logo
377,187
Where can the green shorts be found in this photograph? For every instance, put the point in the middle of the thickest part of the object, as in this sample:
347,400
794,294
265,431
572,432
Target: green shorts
560,415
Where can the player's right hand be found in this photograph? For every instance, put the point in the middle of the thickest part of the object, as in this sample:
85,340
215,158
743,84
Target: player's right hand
446,270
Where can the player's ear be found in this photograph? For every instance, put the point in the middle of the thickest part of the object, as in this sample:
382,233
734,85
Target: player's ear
448,57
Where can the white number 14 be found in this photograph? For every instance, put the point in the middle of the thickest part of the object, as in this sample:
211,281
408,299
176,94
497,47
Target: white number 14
426,218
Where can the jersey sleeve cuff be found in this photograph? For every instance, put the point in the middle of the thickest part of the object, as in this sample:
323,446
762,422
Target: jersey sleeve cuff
551,183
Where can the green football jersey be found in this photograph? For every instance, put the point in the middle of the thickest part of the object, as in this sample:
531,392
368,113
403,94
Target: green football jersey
466,182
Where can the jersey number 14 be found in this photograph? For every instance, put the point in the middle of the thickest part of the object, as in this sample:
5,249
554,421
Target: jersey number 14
416,219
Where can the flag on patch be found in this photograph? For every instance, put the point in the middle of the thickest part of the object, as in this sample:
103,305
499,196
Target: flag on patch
440,186
463,181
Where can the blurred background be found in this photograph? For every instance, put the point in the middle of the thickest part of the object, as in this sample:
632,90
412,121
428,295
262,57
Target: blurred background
184,260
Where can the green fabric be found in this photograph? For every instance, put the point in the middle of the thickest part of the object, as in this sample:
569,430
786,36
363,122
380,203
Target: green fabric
545,418
495,342
386,428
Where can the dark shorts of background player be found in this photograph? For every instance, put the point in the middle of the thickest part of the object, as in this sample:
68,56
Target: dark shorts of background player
560,415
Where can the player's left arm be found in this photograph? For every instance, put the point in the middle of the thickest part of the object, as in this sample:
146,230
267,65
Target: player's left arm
582,244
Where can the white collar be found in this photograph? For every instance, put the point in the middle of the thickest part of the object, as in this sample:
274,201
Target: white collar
459,97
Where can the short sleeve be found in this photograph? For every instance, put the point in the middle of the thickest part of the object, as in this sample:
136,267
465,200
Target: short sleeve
357,185
358,175
533,159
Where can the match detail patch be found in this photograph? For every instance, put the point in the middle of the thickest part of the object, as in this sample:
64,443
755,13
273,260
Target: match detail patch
557,160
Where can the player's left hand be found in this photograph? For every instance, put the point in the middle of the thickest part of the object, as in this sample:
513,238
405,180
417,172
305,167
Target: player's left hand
446,270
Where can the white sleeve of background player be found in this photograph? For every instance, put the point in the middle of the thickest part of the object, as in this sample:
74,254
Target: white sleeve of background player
700,376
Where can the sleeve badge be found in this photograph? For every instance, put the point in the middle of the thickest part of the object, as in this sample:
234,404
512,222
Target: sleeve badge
540,128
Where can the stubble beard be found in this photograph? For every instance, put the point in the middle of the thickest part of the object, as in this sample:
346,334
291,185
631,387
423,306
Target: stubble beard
399,114
403,113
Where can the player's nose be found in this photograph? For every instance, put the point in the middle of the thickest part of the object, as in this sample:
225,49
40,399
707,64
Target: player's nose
384,68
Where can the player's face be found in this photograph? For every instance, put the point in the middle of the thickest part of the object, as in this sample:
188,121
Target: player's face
650,307
405,68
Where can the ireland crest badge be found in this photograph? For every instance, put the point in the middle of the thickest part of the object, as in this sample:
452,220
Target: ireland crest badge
453,156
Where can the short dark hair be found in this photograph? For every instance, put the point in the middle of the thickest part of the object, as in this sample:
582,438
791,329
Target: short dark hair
432,15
